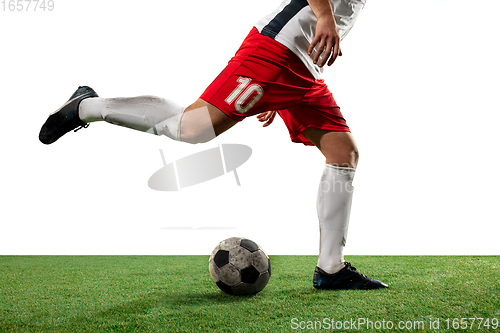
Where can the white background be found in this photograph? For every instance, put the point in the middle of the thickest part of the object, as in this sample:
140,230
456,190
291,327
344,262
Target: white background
418,85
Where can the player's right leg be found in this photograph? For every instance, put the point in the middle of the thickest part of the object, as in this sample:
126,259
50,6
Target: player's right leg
200,122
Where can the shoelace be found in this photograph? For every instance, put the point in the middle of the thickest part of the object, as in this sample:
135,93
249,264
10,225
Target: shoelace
348,265
82,126
351,267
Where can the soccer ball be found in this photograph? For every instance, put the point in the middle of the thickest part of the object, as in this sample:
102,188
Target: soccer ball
239,266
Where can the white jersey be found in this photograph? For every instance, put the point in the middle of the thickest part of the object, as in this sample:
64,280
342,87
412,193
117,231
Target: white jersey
293,24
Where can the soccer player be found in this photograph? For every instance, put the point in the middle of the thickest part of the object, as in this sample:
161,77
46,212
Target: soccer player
277,69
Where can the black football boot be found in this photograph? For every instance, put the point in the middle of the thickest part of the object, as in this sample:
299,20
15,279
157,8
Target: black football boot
65,118
346,278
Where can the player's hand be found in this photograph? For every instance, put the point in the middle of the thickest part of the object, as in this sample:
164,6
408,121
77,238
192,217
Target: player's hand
327,40
266,117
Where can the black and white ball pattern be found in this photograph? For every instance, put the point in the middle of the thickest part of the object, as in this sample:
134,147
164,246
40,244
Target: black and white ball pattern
239,266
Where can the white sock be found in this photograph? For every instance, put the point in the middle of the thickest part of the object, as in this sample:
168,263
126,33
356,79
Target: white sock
144,113
334,207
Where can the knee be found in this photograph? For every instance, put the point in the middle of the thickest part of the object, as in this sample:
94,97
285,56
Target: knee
194,136
349,152
355,156
196,126
350,157
344,156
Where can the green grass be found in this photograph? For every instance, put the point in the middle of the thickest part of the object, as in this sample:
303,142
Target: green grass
176,294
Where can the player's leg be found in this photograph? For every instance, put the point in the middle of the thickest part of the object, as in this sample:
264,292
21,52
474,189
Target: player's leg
201,121
239,91
339,148
334,206
196,127
334,194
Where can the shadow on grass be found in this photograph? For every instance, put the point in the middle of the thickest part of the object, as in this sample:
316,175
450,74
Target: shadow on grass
171,305
133,315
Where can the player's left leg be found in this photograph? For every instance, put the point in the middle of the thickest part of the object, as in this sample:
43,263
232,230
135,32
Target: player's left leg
334,206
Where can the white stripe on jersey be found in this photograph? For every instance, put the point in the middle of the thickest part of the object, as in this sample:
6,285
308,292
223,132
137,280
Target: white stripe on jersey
293,24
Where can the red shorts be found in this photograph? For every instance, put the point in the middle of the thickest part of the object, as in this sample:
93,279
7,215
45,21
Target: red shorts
264,75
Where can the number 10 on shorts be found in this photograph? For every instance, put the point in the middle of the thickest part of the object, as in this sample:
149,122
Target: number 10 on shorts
242,95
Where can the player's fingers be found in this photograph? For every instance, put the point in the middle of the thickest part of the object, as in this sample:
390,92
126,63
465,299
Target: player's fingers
273,115
335,53
319,51
326,56
313,45
332,60
267,123
270,119
262,116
